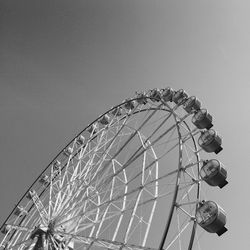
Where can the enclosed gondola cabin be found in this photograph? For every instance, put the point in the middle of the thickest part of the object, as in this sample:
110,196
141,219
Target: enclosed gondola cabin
68,151
104,120
5,229
202,119
56,165
116,111
141,98
92,129
167,94
30,194
211,217
180,96
155,95
209,141
19,210
192,104
129,104
44,180
80,140
213,173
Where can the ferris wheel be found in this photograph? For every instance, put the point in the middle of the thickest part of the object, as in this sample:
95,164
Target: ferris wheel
132,179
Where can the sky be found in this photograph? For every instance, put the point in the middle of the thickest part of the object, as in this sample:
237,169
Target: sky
63,63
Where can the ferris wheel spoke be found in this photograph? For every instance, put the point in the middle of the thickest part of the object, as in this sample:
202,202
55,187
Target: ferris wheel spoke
53,242
188,214
132,135
165,194
79,188
39,206
32,243
110,144
128,140
145,119
178,234
141,203
85,215
169,129
119,221
119,129
149,137
50,193
181,227
188,192
176,145
16,232
100,241
31,220
20,243
193,176
155,161
198,237
165,117
19,228
190,203
66,196
73,207
100,162
136,154
86,226
184,140
132,216
118,197
76,209
75,183
115,214
102,220
97,214
187,154
125,188
158,127
179,230
85,198
174,109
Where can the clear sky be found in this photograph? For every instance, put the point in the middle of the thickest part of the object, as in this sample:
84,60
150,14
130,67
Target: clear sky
63,63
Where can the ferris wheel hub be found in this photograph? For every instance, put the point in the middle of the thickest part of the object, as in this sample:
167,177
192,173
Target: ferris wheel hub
38,232
47,230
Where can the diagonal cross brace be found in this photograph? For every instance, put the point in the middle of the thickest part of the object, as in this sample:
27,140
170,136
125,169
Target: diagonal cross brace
40,208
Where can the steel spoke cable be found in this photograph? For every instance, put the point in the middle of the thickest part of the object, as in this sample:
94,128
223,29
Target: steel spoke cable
121,196
115,243
114,136
178,235
18,244
113,139
178,224
128,140
147,184
131,137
